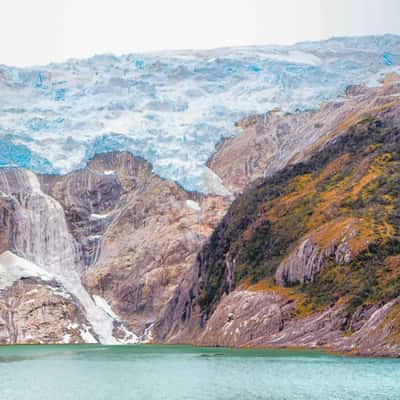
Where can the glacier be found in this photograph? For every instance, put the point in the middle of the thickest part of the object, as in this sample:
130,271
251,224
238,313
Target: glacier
171,107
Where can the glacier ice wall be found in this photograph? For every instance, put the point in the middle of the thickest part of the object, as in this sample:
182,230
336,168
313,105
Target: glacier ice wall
172,107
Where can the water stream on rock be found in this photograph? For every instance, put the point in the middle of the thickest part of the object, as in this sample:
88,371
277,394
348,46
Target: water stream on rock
41,236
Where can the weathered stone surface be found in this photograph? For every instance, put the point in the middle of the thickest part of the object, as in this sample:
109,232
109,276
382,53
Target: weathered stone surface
310,256
378,336
38,243
149,244
6,213
36,311
244,315
247,318
265,318
302,264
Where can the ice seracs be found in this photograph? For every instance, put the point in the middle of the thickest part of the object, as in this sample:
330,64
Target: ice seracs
171,108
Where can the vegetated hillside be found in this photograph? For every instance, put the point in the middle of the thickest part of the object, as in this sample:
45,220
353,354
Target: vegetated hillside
327,229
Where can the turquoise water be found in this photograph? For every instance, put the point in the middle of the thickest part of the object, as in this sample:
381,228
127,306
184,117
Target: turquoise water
180,372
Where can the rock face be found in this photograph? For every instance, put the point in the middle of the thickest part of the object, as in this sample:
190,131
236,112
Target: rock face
129,235
311,255
36,311
266,318
302,264
40,244
307,257
268,142
244,315
149,244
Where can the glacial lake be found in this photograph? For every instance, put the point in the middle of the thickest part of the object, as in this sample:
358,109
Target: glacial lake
147,372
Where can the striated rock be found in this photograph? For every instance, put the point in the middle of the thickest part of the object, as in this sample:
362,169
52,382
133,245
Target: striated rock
41,245
302,264
34,311
154,233
317,330
245,318
266,143
244,315
378,336
267,319
35,308
331,222
6,212
361,315
334,239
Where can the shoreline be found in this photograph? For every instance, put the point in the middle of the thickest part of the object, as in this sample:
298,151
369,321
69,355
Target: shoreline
321,350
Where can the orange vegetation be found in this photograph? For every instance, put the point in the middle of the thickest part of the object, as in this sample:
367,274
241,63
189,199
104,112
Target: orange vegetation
303,308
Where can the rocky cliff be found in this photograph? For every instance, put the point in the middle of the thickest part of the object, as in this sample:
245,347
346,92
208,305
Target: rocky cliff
309,256
115,227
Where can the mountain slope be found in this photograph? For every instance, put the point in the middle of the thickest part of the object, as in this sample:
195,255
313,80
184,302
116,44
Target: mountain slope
309,256
116,227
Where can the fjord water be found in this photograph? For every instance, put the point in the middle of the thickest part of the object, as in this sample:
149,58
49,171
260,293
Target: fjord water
180,372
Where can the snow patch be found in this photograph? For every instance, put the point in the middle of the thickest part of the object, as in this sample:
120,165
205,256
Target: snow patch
129,337
102,303
193,205
13,268
95,216
72,325
60,291
5,196
212,183
94,237
86,336
66,338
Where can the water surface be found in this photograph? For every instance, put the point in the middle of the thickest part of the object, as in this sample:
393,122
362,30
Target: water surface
180,372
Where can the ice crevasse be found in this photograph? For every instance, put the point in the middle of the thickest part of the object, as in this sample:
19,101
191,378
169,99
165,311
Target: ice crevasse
171,107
